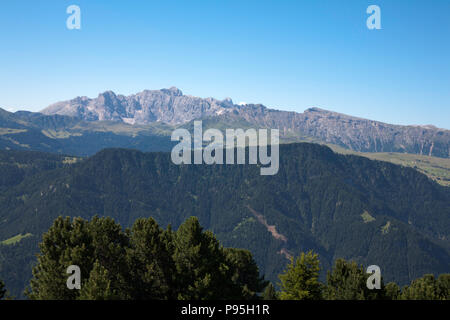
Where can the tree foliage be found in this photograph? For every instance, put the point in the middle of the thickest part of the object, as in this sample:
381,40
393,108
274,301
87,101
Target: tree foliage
348,281
270,293
392,291
144,262
300,281
81,243
428,288
244,273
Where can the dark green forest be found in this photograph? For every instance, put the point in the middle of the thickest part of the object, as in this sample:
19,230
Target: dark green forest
143,262
348,281
147,262
339,206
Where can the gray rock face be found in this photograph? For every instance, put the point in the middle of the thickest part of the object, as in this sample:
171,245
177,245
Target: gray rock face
353,133
170,106
167,105
373,136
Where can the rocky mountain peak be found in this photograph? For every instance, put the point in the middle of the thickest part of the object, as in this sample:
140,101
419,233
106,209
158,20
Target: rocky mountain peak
166,105
173,91
170,106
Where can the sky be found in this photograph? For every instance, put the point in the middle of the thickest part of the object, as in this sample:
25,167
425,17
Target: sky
288,55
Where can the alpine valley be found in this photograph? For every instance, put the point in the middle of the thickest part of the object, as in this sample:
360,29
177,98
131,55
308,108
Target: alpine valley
346,187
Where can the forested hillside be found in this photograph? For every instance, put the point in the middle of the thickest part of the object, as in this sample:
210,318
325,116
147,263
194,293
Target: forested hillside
340,206
147,262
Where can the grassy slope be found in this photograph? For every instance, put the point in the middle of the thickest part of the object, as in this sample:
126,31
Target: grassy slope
15,239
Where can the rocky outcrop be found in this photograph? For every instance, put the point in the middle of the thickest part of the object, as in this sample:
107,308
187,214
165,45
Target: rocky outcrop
170,106
167,105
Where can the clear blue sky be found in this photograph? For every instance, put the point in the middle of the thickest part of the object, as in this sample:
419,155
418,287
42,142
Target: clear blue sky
290,55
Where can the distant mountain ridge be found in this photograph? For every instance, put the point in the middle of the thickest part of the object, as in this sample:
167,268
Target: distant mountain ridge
172,107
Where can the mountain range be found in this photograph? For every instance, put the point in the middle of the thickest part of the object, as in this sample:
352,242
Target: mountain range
171,107
145,121
69,160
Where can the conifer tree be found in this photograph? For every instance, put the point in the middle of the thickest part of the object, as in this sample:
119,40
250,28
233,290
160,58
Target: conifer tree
244,274
348,281
81,243
64,244
443,284
425,288
270,293
150,261
300,281
144,262
200,263
99,286
392,291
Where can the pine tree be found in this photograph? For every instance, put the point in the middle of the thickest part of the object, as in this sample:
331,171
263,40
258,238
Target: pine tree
244,273
443,284
425,288
81,243
99,286
150,261
201,268
144,262
348,281
300,281
393,291
64,244
270,293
